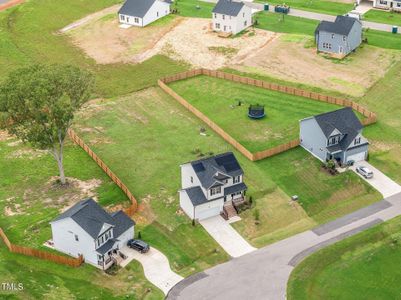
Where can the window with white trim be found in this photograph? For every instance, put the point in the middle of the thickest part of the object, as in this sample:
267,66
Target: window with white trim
215,190
136,20
357,141
236,179
217,25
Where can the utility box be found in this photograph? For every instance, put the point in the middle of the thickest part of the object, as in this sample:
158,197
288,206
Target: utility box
395,29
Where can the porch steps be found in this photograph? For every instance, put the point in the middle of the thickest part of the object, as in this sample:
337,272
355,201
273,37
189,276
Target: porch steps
229,210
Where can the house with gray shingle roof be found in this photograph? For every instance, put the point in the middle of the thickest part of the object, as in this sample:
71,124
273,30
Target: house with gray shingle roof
143,12
340,37
231,16
210,184
335,135
87,229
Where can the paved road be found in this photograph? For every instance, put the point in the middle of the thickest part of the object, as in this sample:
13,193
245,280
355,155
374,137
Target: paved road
228,238
263,274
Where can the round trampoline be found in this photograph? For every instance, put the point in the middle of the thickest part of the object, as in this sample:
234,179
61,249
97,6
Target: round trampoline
256,111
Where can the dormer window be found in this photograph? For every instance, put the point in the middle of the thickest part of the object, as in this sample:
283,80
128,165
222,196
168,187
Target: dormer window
357,141
215,190
334,140
236,179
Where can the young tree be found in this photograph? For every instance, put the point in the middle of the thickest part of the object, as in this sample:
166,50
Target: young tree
37,104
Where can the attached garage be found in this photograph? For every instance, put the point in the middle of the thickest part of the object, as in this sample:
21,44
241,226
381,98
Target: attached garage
202,213
357,154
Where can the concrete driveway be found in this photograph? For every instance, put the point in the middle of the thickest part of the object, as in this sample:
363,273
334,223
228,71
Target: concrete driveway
228,238
156,267
380,181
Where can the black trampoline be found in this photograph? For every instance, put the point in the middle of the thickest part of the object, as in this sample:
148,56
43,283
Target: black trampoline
256,111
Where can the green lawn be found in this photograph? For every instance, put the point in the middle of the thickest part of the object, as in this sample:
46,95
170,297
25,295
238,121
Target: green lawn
45,280
26,189
385,136
287,24
194,8
365,266
382,39
324,197
28,201
218,98
28,35
147,135
382,16
319,6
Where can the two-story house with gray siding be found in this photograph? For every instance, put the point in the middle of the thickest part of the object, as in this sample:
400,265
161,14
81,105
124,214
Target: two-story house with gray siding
339,38
334,135
87,229
209,184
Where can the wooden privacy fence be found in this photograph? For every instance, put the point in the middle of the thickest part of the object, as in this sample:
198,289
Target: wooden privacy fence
134,204
370,117
69,261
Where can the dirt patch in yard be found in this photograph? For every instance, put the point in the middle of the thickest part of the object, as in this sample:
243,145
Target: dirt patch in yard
193,42
103,39
294,58
184,39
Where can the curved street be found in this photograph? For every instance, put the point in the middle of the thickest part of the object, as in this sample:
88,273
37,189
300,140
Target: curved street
263,274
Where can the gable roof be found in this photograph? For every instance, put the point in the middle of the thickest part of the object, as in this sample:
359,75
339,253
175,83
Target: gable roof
344,120
136,8
195,194
228,7
121,222
91,217
222,164
342,25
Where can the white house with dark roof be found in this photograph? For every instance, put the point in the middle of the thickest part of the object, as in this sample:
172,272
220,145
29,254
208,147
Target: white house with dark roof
340,37
231,16
87,229
334,135
143,12
210,184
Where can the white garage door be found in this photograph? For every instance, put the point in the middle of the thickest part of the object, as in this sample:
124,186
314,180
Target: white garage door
357,156
207,213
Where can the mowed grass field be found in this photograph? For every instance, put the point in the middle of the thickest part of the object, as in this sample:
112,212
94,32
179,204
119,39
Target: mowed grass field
29,200
218,99
365,266
144,137
382,16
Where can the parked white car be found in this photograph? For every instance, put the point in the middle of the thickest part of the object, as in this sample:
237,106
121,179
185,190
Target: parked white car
364,171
